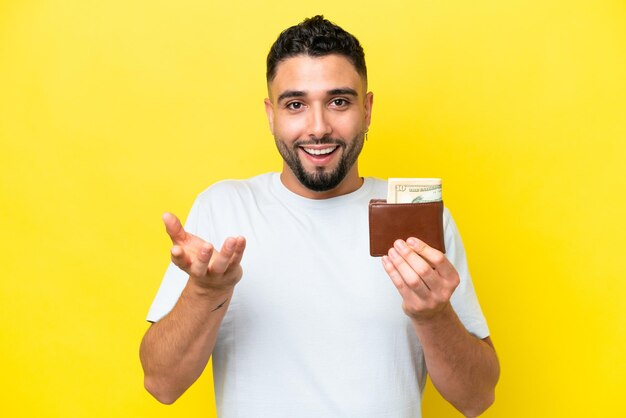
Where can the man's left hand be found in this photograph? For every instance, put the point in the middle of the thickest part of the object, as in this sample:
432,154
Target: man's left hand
423,276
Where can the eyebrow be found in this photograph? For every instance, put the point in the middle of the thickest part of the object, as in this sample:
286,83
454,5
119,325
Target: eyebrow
299,93
344,91
291,93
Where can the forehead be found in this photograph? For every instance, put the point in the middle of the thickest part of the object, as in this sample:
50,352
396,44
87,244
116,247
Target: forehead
310,74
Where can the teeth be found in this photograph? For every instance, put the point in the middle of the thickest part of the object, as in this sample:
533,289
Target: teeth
322,151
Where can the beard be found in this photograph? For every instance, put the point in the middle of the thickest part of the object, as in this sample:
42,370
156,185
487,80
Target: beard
321,180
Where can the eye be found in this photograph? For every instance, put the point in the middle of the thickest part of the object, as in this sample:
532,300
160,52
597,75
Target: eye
294,105
339,102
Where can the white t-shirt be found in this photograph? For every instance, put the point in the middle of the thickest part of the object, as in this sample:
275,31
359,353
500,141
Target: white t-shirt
315,327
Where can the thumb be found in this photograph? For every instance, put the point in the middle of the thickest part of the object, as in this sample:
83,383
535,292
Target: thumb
174,228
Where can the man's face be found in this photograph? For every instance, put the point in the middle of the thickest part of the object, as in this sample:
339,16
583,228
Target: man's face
318,112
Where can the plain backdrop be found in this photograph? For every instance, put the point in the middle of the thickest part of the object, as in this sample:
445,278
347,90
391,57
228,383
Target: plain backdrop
114,112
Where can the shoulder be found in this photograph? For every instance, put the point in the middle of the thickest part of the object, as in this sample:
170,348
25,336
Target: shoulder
229,190
225,201
455,250
448,220
450,230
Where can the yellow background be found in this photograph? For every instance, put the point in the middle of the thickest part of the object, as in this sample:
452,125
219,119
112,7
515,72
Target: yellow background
112,112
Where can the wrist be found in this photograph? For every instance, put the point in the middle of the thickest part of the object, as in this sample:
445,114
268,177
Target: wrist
437,318
210,293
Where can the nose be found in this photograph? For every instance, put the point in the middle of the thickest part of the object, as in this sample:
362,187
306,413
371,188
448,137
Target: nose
319,124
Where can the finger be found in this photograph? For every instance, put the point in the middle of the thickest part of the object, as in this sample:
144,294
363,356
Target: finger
174,228
180,258
221,261
424,270
410,277
240,246
435,258
200,265
407,294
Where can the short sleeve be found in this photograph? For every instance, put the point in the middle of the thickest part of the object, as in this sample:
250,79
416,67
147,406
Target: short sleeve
464,299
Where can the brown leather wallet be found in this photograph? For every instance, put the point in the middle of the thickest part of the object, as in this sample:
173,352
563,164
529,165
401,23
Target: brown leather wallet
392,221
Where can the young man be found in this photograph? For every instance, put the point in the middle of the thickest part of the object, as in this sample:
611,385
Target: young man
315,327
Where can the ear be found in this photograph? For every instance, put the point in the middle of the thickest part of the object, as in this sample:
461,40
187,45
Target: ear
269,111
369,102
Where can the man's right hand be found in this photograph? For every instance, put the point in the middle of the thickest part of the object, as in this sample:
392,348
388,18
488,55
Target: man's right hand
207,268
177,348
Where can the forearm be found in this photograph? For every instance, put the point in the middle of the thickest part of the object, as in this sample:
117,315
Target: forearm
175,350
463,368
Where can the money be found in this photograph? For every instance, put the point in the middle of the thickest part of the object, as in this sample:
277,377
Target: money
419,190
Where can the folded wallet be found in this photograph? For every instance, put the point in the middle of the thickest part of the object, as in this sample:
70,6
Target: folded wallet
392,221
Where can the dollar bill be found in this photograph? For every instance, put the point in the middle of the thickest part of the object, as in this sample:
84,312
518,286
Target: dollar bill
419,190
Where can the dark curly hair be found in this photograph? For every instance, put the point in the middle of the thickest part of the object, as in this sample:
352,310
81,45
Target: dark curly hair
315,37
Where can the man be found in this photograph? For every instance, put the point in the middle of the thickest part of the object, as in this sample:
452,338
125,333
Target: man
307,323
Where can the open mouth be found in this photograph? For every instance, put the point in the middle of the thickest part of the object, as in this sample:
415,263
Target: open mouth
320,152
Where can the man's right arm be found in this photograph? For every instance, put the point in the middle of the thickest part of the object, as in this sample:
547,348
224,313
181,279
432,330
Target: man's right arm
176,349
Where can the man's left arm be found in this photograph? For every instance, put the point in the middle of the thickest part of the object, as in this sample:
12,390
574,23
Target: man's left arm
463,368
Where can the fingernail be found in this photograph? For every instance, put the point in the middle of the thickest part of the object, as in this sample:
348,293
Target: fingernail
412,241
399,244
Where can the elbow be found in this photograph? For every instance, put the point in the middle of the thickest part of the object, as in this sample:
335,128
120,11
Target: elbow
158,392
478,407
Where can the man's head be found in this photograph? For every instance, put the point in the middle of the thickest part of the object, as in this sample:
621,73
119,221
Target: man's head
318,107
316,37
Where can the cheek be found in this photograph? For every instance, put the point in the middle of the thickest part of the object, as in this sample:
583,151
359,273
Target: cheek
288,128
349,127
